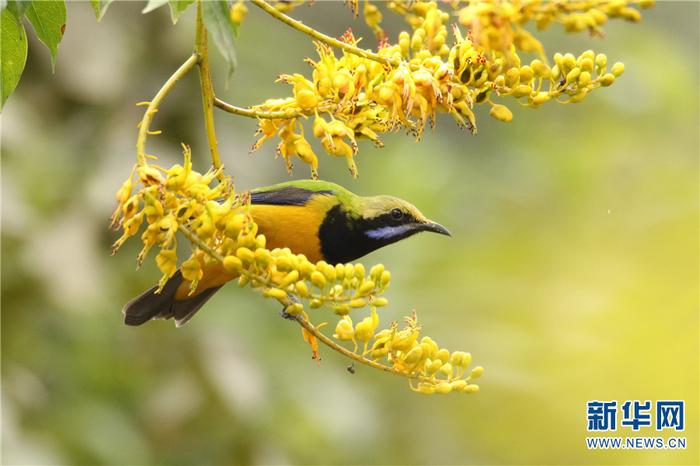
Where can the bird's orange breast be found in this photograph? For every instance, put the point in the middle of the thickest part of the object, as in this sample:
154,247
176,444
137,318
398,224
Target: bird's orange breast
284,226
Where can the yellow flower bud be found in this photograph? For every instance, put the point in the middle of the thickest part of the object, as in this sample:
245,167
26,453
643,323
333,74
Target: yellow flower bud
301,289
458,385
192,270
366,288
232,264
385,279
238,12
315,303
275,293
501,113
443,388
344,330
294,309
414,355
617,69
290,278
446,369
245,255
167,261
433,366
318,279
607,79
357,303
380,302
375,272
477,372
307,99
471,388
426,389
262,257
443,355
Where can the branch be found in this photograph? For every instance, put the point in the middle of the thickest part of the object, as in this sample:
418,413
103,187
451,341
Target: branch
299,26
145,124
303,321
250,113
201,50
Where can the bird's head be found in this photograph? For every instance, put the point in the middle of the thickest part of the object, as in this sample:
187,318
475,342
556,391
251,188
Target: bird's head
360,225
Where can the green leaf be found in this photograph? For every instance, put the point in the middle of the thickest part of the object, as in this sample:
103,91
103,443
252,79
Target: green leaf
153,4
177,7
49,20
100,8
18,8
13,42
218,21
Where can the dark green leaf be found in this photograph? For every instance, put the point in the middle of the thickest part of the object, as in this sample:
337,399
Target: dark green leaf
49,20
100,7
177,7
218,21
13,42
153,4
18,8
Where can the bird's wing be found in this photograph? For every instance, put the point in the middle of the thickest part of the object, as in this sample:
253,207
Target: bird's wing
286,195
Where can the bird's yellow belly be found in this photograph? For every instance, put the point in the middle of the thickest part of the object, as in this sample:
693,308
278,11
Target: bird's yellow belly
293,227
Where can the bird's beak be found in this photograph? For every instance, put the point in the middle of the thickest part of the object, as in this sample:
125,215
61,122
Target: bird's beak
435,228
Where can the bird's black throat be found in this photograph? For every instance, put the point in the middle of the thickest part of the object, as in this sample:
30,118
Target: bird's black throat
344,237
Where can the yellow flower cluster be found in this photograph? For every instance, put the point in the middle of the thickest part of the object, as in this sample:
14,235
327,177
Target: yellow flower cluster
435,369
217,223
404,85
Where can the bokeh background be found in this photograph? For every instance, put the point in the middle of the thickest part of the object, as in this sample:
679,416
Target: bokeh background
572,273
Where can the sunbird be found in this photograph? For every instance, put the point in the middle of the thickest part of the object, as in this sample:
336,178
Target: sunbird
319,219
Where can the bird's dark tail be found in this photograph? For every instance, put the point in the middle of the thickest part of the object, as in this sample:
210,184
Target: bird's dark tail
151,305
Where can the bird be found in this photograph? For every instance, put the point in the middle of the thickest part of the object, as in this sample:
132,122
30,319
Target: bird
320,219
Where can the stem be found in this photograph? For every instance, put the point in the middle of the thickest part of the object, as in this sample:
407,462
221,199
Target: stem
144,126
250,113
299,26
201,50
354,356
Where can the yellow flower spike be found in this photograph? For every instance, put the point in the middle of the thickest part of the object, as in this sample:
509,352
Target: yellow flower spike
477,372
501,113
339,271
232,264
341,309
124,192
344,330
318,279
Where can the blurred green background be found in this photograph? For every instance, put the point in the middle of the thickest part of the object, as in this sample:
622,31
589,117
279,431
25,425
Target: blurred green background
572,273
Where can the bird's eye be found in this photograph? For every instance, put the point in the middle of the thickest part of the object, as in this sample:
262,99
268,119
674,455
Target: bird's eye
396,214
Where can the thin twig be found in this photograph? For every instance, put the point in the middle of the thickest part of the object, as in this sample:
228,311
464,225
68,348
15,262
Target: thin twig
144,126
299,26
250,113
